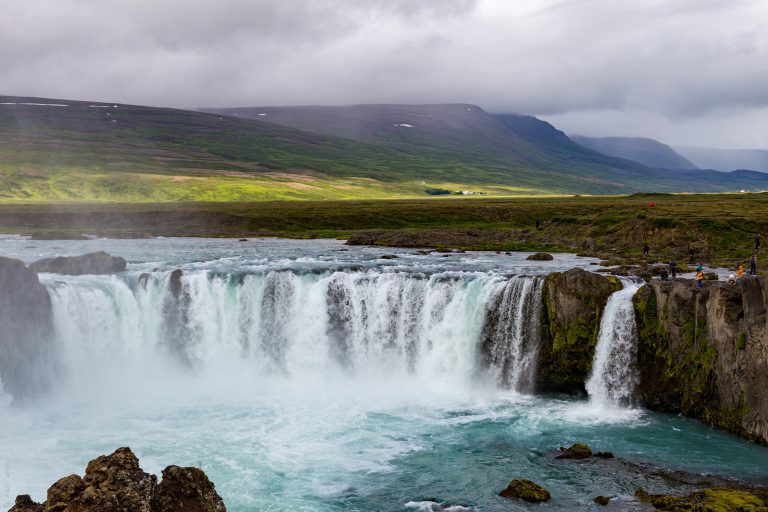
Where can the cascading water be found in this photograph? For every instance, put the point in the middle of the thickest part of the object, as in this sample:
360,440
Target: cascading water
292,323
614,373
512,334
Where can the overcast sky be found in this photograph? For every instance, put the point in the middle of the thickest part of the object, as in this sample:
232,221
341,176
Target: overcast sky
682,71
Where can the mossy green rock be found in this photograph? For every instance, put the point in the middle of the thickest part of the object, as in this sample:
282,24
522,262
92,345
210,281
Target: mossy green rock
540,256
525,490
574,302
709,500
576,451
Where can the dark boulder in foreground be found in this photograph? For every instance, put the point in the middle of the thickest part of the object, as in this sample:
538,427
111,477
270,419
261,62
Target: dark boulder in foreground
92,263
540,256
26,331
602,500
186,489
525,490
116,483
25,504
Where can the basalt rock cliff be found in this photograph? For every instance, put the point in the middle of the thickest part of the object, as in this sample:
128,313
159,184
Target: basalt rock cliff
703,352
574,302
26,330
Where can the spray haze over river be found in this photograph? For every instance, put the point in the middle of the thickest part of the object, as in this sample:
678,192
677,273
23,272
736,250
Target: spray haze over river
308,375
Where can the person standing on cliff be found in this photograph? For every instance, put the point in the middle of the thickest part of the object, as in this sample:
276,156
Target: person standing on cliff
700,278
691,253
646,250
673,269
753,265
740,273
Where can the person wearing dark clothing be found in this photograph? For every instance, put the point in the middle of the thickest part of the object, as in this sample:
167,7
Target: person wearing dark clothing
538,224
664,275
646,250
673,269
757,241
753,265
691,253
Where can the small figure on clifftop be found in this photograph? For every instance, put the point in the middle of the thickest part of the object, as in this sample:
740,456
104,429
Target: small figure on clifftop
673,269
740,273
700,278
691,253
538,224
664,275
646,250
700,268
757,241
753,265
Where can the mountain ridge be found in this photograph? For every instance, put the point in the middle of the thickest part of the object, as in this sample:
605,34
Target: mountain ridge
643,150
114,151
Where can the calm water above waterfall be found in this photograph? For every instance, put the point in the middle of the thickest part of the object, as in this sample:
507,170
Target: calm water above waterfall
307,375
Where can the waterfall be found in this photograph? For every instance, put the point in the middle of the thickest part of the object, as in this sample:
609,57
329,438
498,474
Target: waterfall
289,323
512,332
614,372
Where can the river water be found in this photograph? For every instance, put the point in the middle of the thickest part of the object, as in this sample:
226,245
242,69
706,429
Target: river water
308,375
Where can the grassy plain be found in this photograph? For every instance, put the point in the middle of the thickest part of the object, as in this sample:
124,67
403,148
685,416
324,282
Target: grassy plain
720,227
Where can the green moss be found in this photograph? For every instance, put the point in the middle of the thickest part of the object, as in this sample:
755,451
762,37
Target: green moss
727,500
742,342
525,490
709,500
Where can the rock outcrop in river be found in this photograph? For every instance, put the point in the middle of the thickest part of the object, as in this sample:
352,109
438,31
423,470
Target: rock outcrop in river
574,302
92,263
116,483
25,331
704,352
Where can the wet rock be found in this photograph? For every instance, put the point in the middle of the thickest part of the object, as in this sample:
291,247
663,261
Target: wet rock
26,331
602,500
24,503
112,483
576,451
188,490
715,500
525,490
604,455
116,483
64,494
92,263
540,256
144,279
574,302
388,257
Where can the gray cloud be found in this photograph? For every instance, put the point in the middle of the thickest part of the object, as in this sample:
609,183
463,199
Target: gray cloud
684,71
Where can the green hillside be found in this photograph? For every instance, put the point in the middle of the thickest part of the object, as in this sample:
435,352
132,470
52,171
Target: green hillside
65,150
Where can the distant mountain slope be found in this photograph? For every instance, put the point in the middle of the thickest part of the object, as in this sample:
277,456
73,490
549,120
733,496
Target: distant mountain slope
468,133
726,159
70,150
646,151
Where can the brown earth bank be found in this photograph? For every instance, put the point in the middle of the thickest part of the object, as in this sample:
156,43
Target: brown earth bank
718,228
116,483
